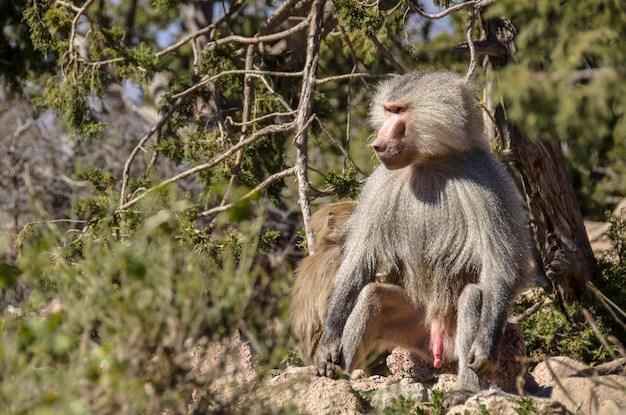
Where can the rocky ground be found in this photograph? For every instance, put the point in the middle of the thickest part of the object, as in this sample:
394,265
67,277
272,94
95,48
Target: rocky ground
558,385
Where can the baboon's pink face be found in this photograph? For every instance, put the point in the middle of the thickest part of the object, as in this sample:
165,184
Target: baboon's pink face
393,147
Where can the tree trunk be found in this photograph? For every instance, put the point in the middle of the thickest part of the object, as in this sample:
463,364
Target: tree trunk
558,225
556,219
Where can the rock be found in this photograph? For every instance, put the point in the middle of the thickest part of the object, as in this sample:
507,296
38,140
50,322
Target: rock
597,231
299,390
597,235
402,363
559,367
502,403
615,367
567,386
391,394
232,356
511,374
226,369
583,389
445,383
592,395
304,393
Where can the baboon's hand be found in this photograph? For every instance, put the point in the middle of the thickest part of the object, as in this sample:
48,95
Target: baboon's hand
330,370
329,359
482,360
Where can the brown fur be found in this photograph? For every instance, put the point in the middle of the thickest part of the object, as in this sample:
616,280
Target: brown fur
391,321
314,278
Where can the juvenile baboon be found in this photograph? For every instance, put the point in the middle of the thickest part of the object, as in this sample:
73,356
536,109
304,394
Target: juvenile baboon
314,278
442,211
389,318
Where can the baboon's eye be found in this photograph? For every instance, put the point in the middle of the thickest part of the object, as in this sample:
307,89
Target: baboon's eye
395,108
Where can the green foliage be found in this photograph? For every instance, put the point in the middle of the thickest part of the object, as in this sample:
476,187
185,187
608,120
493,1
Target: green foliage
617,255
268,240
566,84
292,358
49,25
344,184
216,61
197,145
356,15
403,405
100,180
170,147
442,3
612,281
526,406
263,158
134,312
19,56
163,5
92,207
140,63
435,404
72,100
8,275
549,332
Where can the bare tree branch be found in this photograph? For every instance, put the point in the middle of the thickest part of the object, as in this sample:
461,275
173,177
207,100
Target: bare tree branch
207,80
280,99
260,39
470,44
72,39
388,55
337,144
279,16
245,116
305,108
179,100
273,178
68,5
355,59
271,129
263,118
102,63
349,76
129,25
231,10
139,146
475,3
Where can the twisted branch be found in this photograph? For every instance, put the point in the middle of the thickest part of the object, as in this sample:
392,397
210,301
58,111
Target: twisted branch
266,183
304,118
271,129
479,4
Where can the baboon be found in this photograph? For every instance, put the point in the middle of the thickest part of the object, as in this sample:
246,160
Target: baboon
391,319
442,211
314,278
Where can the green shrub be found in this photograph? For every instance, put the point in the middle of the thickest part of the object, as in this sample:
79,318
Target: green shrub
133,311
550,332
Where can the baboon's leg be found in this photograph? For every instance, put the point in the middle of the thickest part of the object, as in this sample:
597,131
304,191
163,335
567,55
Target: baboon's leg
468,325
382,318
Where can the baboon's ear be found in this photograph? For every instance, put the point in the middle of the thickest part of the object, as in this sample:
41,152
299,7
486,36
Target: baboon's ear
331,220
